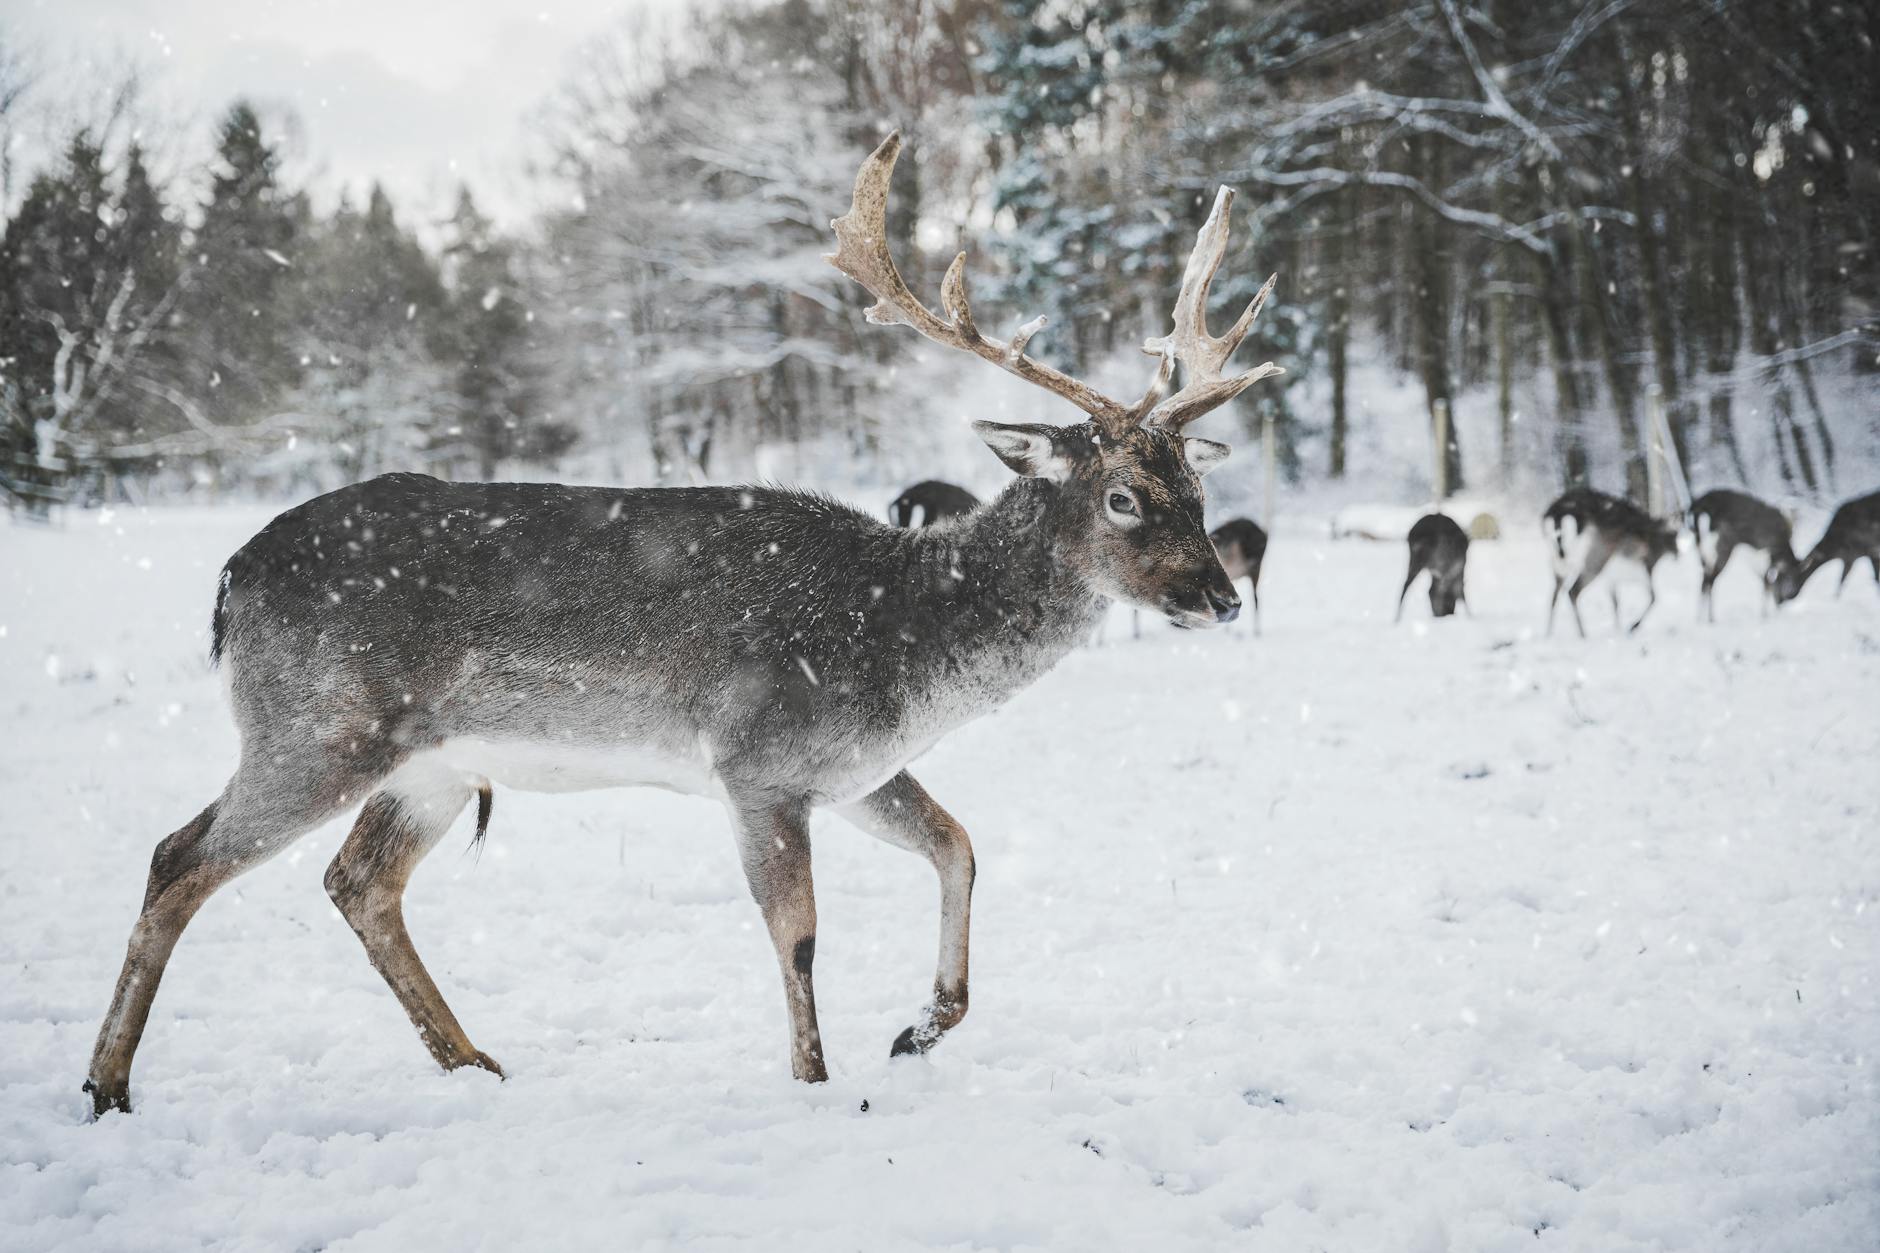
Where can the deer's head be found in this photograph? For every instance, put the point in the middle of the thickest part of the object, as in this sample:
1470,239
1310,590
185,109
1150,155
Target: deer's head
1131,513
1129,480
1784,577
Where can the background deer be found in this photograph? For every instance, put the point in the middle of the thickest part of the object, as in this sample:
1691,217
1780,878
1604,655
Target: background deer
1853,532
1587,530
403,641
936,500
1725,521
1438,544
1241,544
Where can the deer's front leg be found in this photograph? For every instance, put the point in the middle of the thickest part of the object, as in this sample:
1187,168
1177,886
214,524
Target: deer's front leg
773,842
901,812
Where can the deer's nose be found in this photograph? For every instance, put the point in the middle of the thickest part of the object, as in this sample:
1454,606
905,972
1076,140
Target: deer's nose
1224,603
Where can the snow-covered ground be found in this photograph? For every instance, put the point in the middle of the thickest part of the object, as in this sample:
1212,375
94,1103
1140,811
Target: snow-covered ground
1442,936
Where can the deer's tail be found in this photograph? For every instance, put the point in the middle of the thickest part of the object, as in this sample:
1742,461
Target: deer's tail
485,802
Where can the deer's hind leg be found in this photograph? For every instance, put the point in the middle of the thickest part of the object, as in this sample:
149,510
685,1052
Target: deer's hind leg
902,813
270,803
400,823
1706,592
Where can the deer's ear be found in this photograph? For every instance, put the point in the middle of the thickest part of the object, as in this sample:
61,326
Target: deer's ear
1204,454
1037,452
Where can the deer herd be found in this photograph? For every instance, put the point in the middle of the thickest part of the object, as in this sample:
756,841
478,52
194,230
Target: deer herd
1588,533
398,646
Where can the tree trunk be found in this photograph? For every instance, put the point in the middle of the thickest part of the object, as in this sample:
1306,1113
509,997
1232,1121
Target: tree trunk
1338,322
1504,384
1642,199
1621,379
1555,299
1724,332
1431,269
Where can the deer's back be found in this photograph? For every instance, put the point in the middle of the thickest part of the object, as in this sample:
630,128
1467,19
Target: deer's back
1438,534
1592,509
1583,522
938,498
1743,517
1241,544
1856,523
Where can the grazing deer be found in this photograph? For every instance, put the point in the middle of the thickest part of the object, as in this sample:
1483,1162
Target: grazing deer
1439,545
1853,532
936,500
1241,544
1587,530
402,641
1725,521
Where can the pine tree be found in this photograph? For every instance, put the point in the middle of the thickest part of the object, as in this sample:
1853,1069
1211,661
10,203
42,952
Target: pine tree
489,339
368,316
239,359
88,275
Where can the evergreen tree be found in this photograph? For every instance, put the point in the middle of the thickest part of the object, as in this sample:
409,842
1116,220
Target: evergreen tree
497,382
88,275
239,358
368,312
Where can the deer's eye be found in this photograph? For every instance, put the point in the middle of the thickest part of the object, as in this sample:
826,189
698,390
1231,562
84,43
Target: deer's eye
1121,503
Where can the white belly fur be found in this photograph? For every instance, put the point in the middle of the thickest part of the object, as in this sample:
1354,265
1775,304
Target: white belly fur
546,767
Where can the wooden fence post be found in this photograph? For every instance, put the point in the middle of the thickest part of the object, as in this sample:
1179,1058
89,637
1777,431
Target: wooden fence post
1269,447
1441,410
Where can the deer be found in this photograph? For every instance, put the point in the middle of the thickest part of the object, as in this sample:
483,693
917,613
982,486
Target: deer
1241,544
399,645
1586,530
1440,545
1724,521
936,500
1853,532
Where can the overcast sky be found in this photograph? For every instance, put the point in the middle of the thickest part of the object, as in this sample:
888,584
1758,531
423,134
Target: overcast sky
412,94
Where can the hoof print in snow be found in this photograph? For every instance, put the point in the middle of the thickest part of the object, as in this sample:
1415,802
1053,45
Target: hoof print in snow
1256,1097
1470,770
1093,1147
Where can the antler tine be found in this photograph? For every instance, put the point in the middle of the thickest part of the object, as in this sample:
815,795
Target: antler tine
1202,356
1158,386
862,254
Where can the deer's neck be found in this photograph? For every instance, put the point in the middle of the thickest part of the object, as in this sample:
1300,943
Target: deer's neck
997,603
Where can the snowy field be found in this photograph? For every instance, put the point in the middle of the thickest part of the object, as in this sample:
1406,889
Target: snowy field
1438,937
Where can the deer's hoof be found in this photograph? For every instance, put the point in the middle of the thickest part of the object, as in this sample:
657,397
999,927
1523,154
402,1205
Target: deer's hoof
479,1059
106,1097
909,1043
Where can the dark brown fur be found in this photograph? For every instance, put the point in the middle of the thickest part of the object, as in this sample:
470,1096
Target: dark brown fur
936,500
1438,544
1241,543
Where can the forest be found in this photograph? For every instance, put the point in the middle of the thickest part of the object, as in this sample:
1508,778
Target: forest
1562,211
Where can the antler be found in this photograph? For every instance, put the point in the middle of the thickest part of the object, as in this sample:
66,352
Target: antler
862,254
1201,354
